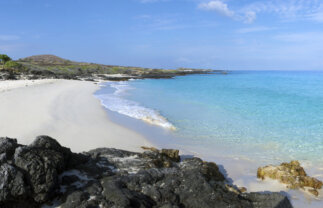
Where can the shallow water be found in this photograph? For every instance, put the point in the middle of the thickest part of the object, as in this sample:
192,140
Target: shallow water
242,120
271,116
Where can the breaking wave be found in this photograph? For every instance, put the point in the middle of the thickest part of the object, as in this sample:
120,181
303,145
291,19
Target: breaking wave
115,101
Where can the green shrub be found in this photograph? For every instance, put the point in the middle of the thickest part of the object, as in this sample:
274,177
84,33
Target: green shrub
4,59
12,65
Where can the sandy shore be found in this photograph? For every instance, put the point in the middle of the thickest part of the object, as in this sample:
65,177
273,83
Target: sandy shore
68,111
65,110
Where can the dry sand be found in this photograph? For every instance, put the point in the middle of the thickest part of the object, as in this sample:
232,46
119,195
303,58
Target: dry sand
63,109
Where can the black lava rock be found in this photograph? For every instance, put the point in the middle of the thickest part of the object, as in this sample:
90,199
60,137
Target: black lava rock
45,173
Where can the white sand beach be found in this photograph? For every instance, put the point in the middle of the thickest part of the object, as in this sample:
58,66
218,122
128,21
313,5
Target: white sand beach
65,110
68,111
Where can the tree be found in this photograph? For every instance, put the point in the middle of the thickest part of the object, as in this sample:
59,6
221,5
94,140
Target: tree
12,65
4,58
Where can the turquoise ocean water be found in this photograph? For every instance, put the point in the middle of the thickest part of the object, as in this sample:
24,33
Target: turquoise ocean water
266,116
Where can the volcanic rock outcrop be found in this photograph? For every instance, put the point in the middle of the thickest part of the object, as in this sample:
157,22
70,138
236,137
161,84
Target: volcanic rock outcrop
45,174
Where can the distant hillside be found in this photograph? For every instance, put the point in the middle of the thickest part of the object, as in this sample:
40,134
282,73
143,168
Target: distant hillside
51,66
46,60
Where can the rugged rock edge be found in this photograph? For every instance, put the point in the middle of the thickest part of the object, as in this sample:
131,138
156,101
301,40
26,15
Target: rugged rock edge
45,174
293,175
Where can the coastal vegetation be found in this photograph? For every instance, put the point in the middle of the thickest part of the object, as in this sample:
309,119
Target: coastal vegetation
50,66
4,59
12,65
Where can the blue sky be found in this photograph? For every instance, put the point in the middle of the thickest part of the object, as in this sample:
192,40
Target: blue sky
219,34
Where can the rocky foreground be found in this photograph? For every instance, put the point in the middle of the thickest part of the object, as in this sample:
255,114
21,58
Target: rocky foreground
45,174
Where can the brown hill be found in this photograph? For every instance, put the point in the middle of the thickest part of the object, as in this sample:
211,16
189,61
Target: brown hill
46,59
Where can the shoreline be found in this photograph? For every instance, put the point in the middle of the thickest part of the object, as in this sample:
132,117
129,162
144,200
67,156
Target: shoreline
240,170
65,120
63,109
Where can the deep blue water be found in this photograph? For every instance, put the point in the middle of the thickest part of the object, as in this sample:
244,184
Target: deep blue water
267,116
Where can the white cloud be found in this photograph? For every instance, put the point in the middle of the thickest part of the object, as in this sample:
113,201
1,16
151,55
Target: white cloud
217,6
169,22
317,15
222,8
253,29
311,37
250,17
9,37
289,10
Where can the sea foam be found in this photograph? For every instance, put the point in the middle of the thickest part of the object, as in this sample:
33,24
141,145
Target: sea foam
116,102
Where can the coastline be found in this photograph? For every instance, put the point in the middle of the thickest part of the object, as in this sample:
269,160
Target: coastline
239,170
60,115
63,109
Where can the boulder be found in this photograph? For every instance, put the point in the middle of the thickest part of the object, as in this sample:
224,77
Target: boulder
211,171
161,158
46,142
153,149
171,154
7,147
291,174
12,183
242,189
41,167
42,161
